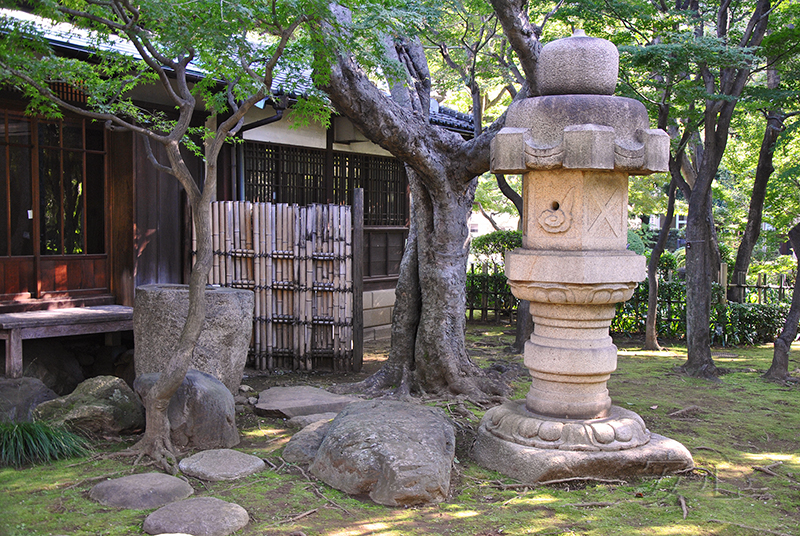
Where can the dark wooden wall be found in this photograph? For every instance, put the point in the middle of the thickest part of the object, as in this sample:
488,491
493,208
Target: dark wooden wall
160,222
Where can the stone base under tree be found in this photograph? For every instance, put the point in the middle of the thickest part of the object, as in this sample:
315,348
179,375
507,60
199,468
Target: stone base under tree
660,456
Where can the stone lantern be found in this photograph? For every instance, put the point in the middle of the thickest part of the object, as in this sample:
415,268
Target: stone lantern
576,145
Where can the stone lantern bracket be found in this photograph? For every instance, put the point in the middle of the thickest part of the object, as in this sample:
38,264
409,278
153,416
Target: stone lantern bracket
603,133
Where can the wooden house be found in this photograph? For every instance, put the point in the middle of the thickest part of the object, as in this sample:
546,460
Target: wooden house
85,218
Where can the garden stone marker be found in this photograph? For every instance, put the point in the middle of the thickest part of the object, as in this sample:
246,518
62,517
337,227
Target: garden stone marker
576,145
158,317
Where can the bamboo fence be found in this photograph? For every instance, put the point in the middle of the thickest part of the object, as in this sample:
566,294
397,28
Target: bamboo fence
299,263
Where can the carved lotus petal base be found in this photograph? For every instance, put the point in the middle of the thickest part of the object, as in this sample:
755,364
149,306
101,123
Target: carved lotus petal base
620,430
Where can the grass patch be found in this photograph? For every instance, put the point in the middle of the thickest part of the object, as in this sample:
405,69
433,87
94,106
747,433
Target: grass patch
23,443
734,429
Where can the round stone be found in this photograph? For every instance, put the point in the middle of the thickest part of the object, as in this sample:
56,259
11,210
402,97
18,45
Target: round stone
578,65
203,516
221,464
141,492
603,433
550,431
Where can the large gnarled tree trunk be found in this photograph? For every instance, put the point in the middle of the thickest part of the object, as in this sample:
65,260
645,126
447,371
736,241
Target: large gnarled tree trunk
428,345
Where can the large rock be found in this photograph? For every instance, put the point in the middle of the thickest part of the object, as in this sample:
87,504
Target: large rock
201,413
19,397
201,516
158,317
141,492
399,454
302,448
53,363
101,406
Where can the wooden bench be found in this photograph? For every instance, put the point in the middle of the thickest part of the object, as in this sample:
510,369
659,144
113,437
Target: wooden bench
16,327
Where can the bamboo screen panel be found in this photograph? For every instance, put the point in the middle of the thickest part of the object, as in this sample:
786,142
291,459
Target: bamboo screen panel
299,262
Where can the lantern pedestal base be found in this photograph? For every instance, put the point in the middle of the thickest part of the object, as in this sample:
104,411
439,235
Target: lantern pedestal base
503,434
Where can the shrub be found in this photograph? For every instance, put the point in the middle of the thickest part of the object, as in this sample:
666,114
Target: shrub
23,443
495,244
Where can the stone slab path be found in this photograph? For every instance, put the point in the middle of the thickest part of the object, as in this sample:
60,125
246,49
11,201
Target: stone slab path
201,516
221,464
288,402
141,492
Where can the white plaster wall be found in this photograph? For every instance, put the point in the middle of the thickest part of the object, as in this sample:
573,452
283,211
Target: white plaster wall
287,132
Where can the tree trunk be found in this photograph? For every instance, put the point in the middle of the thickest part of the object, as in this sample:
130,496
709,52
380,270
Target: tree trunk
428,354
779,370
651,323
698,288
156,442
752,230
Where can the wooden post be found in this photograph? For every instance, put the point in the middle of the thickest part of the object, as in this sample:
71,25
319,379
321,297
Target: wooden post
485,292
14,354
358,279
723,280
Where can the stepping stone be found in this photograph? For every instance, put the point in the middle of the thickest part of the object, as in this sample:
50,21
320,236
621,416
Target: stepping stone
201,516
290,402
141,492
301,421
221,464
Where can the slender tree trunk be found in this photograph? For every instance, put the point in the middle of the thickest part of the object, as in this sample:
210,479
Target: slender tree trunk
779,370
156,442
752,230
651,323
698,287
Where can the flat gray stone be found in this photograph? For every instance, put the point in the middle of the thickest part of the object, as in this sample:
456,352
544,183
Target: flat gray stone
301,421
287,402
221,464
529,465
201,516
303,446
399,454
141,492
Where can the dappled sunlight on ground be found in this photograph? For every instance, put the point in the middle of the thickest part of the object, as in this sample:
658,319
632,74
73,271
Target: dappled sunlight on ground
773,457
650,353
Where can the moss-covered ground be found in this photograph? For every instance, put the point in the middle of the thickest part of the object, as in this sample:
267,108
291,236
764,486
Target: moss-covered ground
743,432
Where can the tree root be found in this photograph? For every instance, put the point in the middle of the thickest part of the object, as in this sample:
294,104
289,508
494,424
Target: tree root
398,383
707,371
159,449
